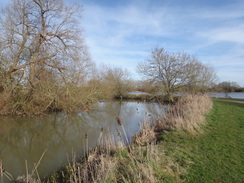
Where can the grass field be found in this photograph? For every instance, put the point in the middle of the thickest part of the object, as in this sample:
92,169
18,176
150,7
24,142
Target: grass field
216,153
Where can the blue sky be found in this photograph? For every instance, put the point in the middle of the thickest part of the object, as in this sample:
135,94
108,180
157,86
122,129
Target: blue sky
122,32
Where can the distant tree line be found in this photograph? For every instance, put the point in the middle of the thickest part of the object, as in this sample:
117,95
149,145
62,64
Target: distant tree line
227,86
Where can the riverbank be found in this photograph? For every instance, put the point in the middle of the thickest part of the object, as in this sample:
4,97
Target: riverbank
144,160
210,153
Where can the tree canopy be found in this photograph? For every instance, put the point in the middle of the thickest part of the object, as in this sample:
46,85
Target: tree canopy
176,71
40,35
42,51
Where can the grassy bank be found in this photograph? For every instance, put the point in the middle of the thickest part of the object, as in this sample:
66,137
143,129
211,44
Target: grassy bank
215,154
189,149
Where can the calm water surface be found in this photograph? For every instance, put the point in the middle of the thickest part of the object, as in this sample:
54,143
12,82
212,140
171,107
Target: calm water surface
211,94
227,95
24,139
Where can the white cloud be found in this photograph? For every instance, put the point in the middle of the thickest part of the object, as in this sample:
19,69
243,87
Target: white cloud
124,35
233,34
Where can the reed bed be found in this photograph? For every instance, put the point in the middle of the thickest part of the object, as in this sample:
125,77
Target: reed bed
146,135
113,164
115,160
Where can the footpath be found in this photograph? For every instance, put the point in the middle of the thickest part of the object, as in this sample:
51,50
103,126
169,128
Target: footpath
230,100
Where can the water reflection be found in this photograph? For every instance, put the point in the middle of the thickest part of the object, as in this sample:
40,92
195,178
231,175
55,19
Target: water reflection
24,138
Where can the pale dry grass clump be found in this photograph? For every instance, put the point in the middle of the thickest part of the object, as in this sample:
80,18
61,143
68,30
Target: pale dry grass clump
97,167
113,162
187,114
146,135
139,165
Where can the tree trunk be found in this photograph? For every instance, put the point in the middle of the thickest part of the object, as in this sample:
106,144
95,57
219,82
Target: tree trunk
169,96
32,74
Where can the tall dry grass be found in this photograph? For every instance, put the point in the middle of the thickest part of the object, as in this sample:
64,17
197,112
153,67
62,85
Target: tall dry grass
146,135
120,165
114,161
186,114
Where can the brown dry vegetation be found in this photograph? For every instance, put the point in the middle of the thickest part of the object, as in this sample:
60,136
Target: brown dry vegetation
143,160
46,99
187,113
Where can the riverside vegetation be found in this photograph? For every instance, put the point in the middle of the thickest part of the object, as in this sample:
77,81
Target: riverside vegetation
45,66
187,145
189,150
143,160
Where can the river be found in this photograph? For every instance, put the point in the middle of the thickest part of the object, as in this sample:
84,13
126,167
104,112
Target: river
23,140
227,95
211,94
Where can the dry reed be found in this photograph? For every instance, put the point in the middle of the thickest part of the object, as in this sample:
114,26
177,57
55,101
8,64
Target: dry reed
97,166
109,163
187,114
31,177
146,134
1,170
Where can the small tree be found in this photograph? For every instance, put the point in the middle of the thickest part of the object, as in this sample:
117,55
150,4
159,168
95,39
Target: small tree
115,81
175,71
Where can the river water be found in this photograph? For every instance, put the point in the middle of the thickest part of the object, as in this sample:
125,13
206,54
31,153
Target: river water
227,95
23,140
211,94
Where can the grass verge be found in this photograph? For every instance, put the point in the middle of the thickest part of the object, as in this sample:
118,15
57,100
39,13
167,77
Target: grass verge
216,155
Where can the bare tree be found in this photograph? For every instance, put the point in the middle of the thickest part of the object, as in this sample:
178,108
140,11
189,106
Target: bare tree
175,71
114,81
228,86
39,35
42,50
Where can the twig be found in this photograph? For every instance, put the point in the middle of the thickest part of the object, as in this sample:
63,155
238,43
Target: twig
38,163
27,173
8,175
1,170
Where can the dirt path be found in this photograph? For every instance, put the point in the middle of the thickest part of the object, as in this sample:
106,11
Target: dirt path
229,100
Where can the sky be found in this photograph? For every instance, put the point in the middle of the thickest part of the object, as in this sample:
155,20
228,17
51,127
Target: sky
122,33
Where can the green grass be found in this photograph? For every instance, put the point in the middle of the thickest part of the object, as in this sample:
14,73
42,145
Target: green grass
216,154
